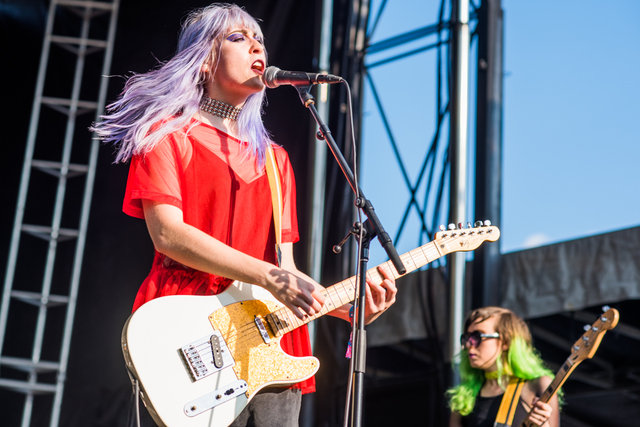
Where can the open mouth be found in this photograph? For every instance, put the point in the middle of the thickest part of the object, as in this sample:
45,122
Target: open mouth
258,66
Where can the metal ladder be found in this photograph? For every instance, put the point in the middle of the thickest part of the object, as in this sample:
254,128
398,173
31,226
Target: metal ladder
39,299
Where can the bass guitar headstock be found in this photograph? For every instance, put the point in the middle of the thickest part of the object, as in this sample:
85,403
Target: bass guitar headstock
586,346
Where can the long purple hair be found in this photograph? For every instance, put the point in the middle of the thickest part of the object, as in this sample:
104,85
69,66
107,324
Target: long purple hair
165,99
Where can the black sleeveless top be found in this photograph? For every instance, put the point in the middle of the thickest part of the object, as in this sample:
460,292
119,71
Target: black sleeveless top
485,411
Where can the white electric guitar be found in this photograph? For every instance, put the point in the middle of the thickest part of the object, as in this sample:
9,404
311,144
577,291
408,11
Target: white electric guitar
200,359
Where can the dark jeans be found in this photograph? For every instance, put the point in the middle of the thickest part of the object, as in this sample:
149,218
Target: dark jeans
271,408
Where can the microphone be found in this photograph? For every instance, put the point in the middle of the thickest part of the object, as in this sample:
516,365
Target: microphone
274,77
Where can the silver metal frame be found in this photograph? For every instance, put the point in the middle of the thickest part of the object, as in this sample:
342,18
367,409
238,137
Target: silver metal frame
54,233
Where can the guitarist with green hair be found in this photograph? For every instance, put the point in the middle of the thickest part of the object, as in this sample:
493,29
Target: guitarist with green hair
502,374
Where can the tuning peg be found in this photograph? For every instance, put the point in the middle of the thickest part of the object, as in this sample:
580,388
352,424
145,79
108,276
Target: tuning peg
477,224
442,227
487,222
452,226
586,327
469,225
605,308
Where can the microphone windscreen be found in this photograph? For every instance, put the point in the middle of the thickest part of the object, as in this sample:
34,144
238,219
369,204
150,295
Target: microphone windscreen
269,77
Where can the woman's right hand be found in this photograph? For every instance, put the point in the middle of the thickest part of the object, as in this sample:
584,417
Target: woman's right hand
297,291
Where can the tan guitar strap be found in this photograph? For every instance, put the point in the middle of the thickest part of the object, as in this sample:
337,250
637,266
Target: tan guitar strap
276,197
509,403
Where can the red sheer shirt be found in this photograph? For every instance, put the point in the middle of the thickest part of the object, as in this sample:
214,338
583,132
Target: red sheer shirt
220,190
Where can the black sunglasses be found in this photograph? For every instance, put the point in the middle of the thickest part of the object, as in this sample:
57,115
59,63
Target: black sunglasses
475,338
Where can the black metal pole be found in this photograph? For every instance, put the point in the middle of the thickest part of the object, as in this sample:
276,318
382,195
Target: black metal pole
486,264
359,353
373,228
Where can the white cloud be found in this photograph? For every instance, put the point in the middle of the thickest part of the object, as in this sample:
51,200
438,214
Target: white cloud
536,240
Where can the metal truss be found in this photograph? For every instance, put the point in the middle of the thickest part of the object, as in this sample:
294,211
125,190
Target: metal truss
427,190
48,237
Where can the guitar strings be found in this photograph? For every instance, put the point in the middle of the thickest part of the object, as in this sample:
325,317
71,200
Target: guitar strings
282,320
246,332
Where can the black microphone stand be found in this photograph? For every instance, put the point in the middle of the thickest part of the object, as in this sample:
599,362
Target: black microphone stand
371,228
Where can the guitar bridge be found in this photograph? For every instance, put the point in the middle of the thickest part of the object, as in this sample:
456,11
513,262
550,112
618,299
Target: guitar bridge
207,356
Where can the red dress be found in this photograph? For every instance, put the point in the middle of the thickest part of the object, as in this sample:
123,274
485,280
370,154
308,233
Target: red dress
207,174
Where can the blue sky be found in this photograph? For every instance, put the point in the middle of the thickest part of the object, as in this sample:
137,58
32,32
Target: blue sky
570,144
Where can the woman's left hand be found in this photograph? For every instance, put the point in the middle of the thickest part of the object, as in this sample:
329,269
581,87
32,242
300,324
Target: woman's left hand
540,413
379,297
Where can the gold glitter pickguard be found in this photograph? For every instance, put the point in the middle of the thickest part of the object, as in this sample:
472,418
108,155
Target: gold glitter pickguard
256,362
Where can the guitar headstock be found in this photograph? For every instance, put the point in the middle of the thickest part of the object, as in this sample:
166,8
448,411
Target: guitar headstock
586,346
458,238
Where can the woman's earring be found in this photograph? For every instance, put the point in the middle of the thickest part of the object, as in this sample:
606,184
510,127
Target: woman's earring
205,71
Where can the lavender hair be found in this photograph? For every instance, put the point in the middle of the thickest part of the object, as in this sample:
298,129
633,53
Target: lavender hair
163,100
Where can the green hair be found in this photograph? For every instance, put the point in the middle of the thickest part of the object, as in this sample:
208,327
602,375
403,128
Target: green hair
520,360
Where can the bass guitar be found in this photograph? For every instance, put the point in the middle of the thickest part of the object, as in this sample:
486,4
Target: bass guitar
200,359
584,348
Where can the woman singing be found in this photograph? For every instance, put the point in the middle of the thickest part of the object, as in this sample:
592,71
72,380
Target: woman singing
192,129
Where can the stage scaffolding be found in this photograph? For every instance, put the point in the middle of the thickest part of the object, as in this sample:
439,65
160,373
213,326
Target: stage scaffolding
556,288
464,46
421,177
54,199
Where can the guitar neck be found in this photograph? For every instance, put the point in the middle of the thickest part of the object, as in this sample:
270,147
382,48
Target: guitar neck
561,376
584,348
344,292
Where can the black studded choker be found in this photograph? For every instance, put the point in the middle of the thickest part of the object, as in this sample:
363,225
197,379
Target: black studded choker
219,108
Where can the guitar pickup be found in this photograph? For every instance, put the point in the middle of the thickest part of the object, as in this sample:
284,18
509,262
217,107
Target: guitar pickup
206,356
262,329
216,351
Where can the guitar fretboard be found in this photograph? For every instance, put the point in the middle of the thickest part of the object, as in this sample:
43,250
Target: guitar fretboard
558,380
283,320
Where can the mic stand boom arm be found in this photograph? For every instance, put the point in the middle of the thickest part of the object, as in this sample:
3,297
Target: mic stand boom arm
372,228
362,202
